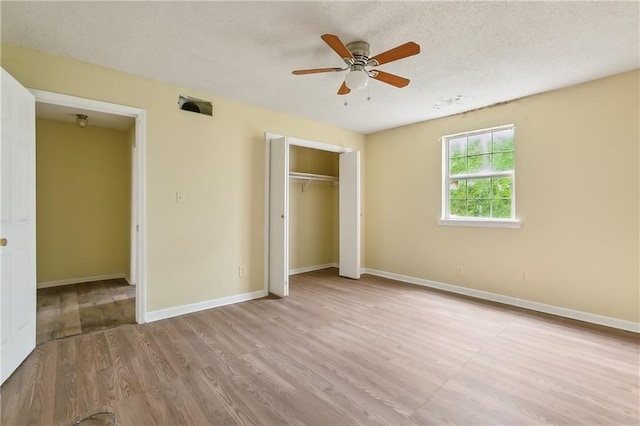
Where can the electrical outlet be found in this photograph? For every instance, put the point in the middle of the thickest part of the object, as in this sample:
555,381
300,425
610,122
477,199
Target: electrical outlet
180,197
459,271
527,276
242,271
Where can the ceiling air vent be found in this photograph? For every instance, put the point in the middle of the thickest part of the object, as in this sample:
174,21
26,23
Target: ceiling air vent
199,106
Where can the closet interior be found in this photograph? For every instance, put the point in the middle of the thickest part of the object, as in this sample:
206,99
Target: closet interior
313,209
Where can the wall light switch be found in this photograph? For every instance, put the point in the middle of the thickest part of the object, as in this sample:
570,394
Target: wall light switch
180,197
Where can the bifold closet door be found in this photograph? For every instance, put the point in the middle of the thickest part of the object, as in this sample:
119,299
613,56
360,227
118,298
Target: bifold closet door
279,217
350,214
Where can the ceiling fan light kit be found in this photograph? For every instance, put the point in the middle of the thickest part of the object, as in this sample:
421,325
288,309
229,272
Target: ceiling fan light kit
359,64
356,79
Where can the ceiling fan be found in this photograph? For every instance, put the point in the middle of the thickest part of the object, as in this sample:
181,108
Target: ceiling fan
359,64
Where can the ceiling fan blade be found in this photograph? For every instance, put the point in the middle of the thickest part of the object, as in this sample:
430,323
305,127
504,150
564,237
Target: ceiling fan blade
392,79
316,70
337,45
400,52
343,89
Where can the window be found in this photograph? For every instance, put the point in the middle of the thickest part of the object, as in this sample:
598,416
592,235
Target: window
479,178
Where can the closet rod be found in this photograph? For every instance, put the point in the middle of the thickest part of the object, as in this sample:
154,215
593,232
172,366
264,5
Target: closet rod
307,178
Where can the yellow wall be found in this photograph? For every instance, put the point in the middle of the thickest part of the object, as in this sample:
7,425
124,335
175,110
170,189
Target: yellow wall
313,236
194,249
83,198
577,184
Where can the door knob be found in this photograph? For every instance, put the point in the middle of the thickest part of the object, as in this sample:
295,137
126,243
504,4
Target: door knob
3,242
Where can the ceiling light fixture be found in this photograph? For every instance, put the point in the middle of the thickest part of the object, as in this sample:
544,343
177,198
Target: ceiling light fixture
357,78
82,120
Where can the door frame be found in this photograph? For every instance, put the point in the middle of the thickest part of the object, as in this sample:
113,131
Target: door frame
138,178
267,173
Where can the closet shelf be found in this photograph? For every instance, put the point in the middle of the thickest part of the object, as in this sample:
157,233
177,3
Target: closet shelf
307,178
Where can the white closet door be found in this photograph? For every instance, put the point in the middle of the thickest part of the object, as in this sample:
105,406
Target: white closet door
17,226
279,217
350,214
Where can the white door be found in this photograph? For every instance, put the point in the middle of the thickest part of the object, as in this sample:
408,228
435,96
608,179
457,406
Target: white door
17,226
279,217
350,214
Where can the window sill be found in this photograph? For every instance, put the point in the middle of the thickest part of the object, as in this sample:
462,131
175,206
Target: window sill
481,223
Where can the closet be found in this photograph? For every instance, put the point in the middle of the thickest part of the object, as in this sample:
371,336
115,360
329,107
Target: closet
313,209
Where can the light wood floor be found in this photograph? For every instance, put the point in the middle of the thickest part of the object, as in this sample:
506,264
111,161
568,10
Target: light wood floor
81,308
335,352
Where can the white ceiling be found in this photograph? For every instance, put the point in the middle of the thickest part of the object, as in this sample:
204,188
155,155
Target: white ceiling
96,119
474,54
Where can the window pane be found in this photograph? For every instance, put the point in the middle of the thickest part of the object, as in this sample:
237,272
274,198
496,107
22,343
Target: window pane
457,166
503,140
458,147
502,187
459,208
479,188
502,208
474,161
458,189
502,161
479,163
479,144
479,208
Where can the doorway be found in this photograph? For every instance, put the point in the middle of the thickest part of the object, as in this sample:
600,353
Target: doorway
83,221
110,286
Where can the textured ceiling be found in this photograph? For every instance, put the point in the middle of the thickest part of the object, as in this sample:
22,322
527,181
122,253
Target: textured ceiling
474,54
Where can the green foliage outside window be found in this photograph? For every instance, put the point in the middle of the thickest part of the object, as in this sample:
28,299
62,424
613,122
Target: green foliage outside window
481,154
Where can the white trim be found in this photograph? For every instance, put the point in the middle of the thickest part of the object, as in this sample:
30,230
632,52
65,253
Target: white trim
67,281
141,213
267,195
201,306
305,269
481,223
139,167
315,145
513,301
46,97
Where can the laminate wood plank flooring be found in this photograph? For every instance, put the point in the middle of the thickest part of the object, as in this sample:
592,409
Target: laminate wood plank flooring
337,352
81,308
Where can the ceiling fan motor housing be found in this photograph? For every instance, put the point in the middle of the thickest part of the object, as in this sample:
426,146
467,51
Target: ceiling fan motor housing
360,51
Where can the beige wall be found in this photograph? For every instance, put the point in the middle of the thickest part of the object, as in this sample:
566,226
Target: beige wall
313,236
83,198
577,185
194,249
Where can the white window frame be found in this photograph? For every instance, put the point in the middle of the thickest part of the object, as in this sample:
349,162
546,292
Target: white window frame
446,218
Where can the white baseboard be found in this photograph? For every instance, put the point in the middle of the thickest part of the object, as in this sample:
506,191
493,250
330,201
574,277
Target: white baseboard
513,301
67,281
312,268
200,306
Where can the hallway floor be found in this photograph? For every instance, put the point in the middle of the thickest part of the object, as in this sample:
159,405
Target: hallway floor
80,308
